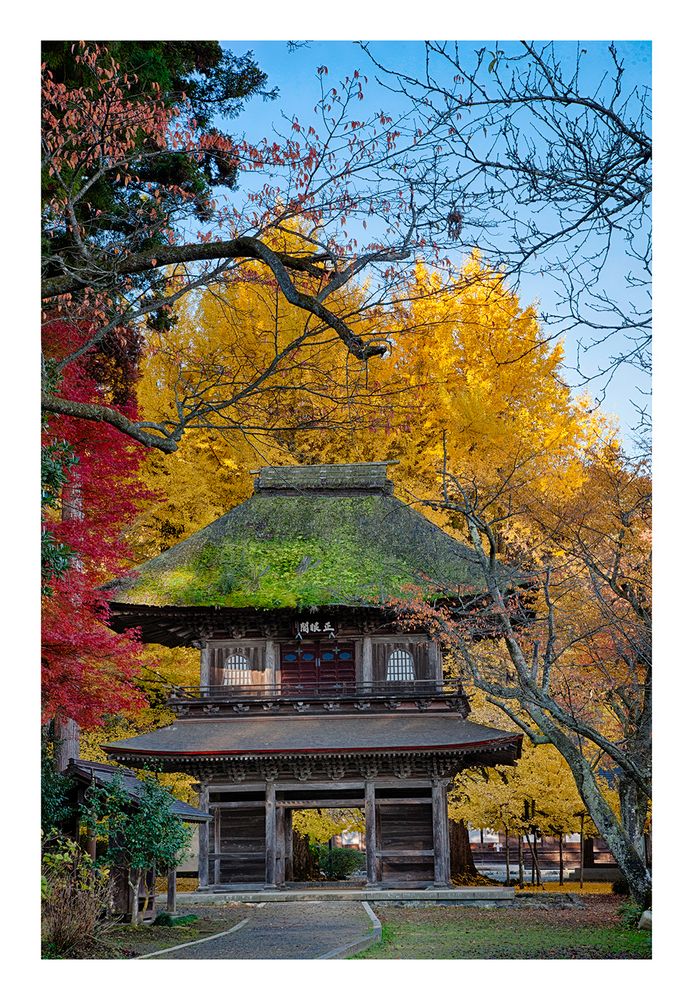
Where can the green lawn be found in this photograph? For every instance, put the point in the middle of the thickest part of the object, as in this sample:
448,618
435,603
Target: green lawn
126,941
457,932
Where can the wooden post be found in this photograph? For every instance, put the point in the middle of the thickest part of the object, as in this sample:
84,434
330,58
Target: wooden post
171,892
435,663
217,846
560,859
531,859
270,834
203,839
371,842
288,846
520,861
507,857
535,856
441,847
270,663
367,661
281,844
205,667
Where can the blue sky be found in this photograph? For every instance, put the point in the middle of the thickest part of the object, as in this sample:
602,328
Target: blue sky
294,74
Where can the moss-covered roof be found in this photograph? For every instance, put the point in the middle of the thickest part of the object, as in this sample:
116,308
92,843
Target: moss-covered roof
309,536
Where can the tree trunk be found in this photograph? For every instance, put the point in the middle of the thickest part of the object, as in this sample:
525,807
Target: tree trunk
633,815
520,862
65,743
507,857
65,730
634,869
305,865
461,857
134,893
582,849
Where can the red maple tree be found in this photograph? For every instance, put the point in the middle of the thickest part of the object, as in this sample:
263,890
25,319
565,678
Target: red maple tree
87,670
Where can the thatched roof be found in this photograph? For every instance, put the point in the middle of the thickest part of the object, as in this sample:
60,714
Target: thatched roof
325,535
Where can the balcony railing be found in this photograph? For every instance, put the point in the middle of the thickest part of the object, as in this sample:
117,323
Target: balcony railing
320,695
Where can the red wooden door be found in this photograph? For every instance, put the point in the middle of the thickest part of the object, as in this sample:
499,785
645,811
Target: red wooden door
314,667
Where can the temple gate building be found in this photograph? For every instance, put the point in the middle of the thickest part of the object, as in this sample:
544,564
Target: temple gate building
311,694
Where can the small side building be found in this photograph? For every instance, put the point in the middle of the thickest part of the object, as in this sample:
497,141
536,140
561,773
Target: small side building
86,774
311,694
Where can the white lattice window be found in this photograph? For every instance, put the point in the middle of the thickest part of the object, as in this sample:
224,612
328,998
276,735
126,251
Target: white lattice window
237,669
400,666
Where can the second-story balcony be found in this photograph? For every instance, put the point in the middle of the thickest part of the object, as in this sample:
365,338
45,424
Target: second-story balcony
320,697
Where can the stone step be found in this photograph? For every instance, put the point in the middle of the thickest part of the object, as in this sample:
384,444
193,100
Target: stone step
473,894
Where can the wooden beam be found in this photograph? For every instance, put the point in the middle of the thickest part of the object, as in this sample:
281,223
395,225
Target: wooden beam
325,803
270,834
441,845
250,804
371,845
404,854
203,839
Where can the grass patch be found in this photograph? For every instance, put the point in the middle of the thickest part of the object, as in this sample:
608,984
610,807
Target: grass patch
589,888
456,933
128,941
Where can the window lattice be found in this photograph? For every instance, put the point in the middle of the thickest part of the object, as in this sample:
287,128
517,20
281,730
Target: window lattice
237,670
400,666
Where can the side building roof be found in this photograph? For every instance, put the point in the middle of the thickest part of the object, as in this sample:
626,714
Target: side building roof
87,772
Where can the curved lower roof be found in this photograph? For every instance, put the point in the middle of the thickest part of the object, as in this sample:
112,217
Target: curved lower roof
263,736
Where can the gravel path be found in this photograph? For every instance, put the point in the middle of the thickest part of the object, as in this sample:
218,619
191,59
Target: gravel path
285,930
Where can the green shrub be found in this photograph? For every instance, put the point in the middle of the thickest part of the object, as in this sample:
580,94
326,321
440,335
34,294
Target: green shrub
630,913
340,862
172,920
75,902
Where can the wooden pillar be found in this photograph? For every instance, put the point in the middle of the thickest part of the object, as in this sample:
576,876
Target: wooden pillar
171,892
217,846
441,845
288,846
271,663
371,838
367,661
203,839
279,870
270,834
435,663
205,671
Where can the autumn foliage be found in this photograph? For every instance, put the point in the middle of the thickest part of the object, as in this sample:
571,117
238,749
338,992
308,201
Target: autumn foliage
87,670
